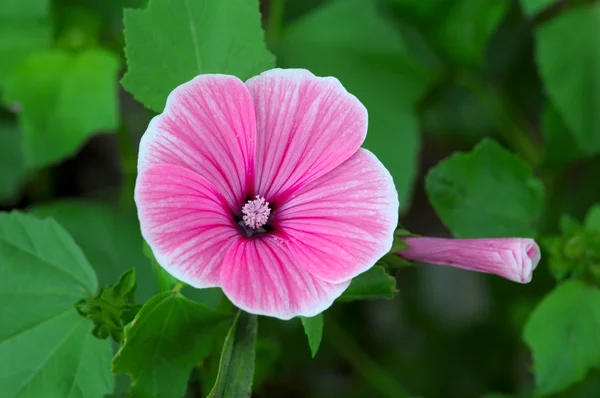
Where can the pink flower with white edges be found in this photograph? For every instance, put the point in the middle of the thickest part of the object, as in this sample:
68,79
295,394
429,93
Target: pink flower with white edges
261,188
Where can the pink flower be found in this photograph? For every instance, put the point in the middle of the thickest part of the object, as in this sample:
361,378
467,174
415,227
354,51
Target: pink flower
263,190
510,258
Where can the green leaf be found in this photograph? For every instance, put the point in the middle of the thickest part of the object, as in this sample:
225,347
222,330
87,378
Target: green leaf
459,29
592,219
562,333
488,192
561,147
24,8
112,308
172,41
110,239
12,168
236,368
164,280
353,42
313,327
533,7
65,99
371,285
575,94
46,347
168,337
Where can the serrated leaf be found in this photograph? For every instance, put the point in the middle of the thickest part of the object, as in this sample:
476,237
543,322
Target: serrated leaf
371,285
352,41
172,41
488,192
65,99
575,94
110,239
313,327
167,338
46,348
562,333
236,368
12,167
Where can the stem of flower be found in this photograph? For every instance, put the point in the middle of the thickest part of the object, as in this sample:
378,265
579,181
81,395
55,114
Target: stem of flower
343,343
503,114
129,166
275,21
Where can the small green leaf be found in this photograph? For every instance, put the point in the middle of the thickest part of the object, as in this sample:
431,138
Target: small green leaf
236,368
576,94
172,41
592,219
313,327
562,333
533,7
351,40
371,285
12,167
166,339
112,308
65,99
164,280
488,192
110,239
46,348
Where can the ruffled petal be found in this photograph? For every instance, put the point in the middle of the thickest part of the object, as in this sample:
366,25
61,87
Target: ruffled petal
307,126
208,126
339,225
185,221
259,276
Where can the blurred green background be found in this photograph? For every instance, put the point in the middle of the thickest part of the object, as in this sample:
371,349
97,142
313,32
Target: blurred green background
437,76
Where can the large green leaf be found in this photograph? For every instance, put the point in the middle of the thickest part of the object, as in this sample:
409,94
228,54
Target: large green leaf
167,338
532,7
371,285
46,348
571,73
12,167
562,333
236,368
110,239
65,98
353,42
24,8
560,146
313,327
172,41
488,192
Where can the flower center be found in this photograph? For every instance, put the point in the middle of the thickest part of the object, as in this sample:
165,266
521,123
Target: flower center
256,212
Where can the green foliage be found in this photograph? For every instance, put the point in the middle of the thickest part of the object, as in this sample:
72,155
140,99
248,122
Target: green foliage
236,368
371,285
65,98
110,239
353,42
112,308
313,327
164,280
489,192
562,333
46,347
166,339
532,7
12,168
575,94
172,41
561,147
459,29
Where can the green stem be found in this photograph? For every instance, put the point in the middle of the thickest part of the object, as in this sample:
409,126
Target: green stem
129,165
275,21
503,114
372,372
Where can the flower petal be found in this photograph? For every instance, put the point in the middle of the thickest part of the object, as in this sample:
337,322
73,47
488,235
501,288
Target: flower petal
208,126
307,126
185,221
259,276
339,225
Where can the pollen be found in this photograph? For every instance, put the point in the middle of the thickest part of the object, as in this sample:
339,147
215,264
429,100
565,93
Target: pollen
256,212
